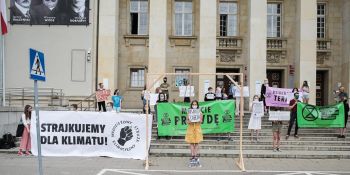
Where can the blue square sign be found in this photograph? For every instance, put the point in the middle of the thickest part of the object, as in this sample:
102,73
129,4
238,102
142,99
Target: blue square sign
36,65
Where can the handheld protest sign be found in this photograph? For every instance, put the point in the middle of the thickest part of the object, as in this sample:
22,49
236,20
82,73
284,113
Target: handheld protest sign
194,115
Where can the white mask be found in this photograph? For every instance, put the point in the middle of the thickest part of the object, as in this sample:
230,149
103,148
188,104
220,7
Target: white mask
256,99
194,106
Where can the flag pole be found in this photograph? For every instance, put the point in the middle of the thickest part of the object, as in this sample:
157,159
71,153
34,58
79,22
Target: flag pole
3,69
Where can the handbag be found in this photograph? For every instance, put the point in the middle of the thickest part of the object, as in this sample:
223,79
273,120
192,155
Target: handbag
19,130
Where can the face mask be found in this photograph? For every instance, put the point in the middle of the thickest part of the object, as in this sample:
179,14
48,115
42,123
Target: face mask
194,106
296,96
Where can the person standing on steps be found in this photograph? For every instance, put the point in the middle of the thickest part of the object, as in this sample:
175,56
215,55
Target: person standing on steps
117,101
293,116
343,98
254,121
101,98
164,87
263,93
194,132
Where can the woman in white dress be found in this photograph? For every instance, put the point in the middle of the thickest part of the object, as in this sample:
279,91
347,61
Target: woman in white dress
255,120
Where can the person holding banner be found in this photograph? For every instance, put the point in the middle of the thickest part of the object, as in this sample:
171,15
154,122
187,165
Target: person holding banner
343,98
263,93
26,140
293,116
194,131
101,97
255,117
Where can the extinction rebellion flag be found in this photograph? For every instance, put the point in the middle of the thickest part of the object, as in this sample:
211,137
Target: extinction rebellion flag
218,117
310,116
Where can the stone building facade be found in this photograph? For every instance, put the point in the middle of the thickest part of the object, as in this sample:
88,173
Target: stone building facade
287,41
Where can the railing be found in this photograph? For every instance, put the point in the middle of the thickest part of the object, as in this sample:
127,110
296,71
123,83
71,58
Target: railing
23,96
276,44
229,43
323,45
88,103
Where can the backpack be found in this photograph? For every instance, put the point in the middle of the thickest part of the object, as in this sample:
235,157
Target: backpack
8,141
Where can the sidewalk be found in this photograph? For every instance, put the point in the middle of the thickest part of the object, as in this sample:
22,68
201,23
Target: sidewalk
12,164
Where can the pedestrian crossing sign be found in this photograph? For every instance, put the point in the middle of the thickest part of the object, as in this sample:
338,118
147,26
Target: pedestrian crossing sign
37,65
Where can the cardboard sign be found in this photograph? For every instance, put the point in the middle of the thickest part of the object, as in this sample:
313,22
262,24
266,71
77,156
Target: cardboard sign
102,95
194,115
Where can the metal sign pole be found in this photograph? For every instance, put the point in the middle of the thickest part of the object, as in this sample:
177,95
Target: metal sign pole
36,105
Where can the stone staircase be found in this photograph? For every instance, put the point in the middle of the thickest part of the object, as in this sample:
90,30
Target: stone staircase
312,144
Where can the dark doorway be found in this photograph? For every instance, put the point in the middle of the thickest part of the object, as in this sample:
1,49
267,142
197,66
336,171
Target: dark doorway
321,88
275,78
223,81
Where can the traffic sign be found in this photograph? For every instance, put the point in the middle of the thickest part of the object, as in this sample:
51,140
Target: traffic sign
37,65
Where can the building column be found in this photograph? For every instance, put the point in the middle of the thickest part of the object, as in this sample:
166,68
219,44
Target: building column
207,45
108,43
306,36
346,45
157,39
257,44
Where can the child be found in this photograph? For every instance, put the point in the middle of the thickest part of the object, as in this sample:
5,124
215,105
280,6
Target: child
194,134
117,101
276,130
254,121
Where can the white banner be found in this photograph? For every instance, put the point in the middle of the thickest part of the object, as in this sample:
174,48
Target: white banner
279,115
258,108
245,92
71,133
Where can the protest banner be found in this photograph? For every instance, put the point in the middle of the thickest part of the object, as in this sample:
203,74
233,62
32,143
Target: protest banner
186,91
71,133
310,116
218,117
279,97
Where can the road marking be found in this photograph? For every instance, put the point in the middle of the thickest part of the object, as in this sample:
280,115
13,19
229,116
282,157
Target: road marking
127,171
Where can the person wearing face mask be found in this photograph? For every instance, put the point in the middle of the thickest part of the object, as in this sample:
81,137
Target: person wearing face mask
164,87
263,93
254,121
293,115
194,132
209,96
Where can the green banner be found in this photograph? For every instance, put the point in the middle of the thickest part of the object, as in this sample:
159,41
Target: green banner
218,117
310,116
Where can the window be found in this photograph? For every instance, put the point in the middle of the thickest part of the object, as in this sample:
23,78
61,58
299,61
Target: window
181,79
321,20
139,17
274,19
183,18
137,77
228,19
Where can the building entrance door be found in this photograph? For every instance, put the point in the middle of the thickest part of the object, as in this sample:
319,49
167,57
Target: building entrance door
321,88
275,78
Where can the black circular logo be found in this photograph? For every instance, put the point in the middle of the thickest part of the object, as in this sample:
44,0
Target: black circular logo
310,113
125,135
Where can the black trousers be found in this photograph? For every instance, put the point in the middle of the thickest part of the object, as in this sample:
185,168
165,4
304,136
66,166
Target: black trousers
103,105
293,117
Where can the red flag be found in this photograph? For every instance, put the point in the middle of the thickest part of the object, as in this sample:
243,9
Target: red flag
3,17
